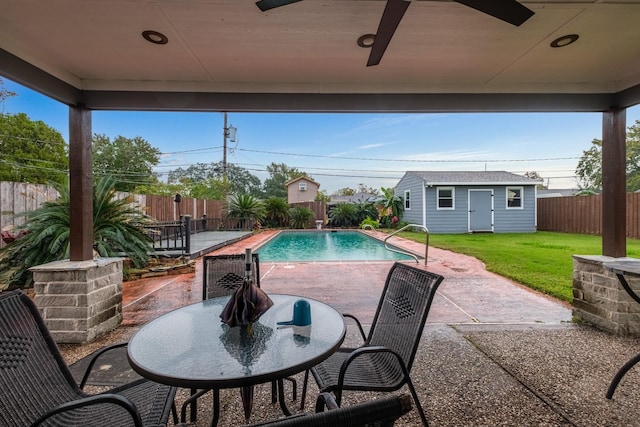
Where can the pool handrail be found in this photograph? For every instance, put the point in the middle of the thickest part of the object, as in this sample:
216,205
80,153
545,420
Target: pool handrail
400,251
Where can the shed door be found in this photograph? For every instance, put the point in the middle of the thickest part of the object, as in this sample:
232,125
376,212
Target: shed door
480,210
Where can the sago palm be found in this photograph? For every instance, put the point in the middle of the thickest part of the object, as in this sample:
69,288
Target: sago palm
276,211
245,206
117,231
300,217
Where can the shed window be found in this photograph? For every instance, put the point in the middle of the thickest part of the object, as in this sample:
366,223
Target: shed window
514,197
407,200
446,198
302,186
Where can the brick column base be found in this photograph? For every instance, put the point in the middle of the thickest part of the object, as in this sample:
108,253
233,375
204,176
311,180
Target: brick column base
600,300
79,300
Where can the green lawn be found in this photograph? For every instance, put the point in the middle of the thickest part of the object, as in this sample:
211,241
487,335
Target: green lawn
541,260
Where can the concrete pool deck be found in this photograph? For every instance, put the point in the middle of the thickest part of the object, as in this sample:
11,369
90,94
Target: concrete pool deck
493,352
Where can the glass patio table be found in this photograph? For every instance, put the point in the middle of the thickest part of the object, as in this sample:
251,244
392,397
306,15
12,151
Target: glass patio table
190,347
622,268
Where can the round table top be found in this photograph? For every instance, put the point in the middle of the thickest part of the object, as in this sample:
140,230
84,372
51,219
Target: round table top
191,347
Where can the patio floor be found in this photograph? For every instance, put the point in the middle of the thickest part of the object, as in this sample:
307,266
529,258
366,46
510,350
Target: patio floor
493,352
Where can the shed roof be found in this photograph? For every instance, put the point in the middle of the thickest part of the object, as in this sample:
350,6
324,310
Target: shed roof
472,178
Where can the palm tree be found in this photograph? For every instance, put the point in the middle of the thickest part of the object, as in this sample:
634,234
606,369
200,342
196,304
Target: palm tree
342,215
276,211
117,230
365,210
245,206
300,216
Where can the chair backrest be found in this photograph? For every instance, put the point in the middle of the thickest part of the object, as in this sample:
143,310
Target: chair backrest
223,274
382,412
403,309
33,374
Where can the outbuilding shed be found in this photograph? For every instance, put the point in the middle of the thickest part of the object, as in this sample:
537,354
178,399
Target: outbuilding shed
469,202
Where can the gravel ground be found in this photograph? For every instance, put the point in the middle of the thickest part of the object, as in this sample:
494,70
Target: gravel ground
481,375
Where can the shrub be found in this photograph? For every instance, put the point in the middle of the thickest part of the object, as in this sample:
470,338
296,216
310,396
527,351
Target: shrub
117,229
368,221
299,217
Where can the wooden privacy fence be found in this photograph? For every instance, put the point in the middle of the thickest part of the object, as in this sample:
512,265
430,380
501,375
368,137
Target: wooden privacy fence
583,214
319,211
19,197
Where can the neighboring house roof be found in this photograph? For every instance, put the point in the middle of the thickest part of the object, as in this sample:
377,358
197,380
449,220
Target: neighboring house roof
472,178
355,198
557,192
291,181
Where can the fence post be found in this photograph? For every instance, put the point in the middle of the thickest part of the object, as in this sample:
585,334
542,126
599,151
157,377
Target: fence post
186,229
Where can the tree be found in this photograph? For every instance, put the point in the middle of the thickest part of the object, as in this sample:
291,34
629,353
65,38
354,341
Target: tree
239,179
364,210
300,217
346,191
589,169
245,206
279,173
391,202
129,160
31,151
117,228
322,196
537,177
276,211
343,215
363,189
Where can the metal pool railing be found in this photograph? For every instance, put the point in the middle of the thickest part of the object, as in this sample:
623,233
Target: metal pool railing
400,251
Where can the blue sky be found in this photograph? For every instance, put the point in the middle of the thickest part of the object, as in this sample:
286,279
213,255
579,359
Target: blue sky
345,150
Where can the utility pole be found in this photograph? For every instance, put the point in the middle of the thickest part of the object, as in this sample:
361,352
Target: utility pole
225,133
228,132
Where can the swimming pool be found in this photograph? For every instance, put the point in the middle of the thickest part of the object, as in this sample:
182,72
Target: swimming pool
342,245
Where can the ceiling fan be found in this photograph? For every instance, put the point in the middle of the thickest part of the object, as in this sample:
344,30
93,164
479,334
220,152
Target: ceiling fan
506,10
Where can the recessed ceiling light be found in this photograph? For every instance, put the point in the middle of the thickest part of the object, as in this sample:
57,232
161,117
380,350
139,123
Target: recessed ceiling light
564,40
155,37
366,40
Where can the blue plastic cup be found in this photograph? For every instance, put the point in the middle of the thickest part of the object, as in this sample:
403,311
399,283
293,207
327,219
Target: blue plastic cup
301,314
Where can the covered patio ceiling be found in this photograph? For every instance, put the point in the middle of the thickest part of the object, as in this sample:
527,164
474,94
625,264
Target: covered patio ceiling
228,55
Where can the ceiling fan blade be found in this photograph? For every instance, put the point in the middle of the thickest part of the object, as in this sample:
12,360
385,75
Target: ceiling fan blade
391,17
506,10
265,5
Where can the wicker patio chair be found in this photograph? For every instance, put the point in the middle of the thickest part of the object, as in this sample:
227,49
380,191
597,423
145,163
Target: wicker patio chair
381,412
222,276
384,361
37,387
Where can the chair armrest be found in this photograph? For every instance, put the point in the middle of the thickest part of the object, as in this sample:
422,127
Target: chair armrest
95,357
351,316
115,399
325,399
359,352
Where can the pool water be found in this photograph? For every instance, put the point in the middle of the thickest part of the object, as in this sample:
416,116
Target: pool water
326,246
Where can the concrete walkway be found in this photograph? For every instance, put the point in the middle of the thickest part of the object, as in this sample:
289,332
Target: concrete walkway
493,353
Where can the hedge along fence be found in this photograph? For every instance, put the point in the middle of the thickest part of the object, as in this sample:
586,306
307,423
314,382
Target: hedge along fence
583,214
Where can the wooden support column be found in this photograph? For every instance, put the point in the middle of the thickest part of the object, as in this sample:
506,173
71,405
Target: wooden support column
614,187
80,184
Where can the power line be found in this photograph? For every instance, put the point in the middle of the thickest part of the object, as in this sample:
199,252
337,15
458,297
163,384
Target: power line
409,160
